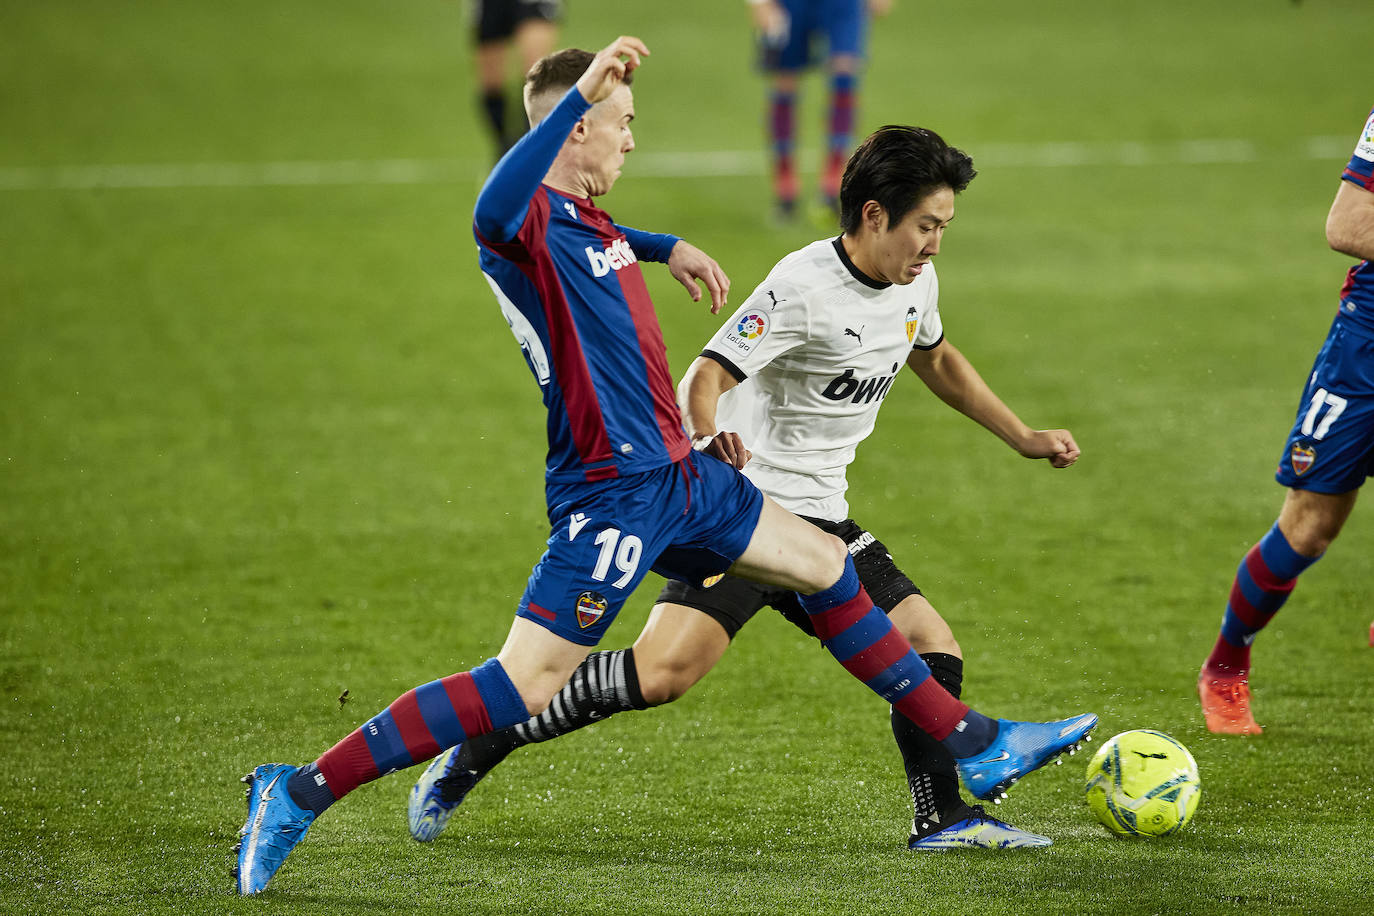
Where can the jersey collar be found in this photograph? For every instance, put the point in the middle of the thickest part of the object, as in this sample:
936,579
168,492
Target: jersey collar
857,274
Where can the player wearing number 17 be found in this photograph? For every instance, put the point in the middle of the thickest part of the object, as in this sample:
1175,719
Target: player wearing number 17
626,493
1328,456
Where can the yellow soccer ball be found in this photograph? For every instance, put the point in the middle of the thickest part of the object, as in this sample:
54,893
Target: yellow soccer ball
1143,783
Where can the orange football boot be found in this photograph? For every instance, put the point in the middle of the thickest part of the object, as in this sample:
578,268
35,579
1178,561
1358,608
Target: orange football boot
1226,703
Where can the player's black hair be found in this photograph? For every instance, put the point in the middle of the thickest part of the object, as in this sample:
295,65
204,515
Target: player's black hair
898,166
561,70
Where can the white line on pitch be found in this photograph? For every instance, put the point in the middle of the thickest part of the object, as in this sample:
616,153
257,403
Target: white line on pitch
705,164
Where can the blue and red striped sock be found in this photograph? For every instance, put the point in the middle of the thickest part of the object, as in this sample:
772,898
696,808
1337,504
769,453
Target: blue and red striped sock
842,94
864,641
1263,582
781,137
420,724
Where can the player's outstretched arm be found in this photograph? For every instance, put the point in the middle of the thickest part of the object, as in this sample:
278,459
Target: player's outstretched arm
949,374
1350,224
688,264
697,395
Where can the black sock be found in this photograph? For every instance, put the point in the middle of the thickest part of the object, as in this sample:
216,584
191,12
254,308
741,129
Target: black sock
930,771
604,684
494,106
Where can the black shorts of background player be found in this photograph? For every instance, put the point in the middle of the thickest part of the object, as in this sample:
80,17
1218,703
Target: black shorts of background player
530,27
688,632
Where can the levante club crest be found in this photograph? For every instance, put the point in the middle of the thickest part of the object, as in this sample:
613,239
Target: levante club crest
590,608
1302,459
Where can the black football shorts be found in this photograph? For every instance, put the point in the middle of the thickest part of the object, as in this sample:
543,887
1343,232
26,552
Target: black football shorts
496,20
732,600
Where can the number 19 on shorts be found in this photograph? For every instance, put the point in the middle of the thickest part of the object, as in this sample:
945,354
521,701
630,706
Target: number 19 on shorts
622,550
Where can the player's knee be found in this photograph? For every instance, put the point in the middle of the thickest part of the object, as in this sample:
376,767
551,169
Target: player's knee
1312,542
832,560
1311,533
667,681
924,628
926,640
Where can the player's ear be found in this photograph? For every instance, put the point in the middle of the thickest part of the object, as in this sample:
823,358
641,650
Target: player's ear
875,216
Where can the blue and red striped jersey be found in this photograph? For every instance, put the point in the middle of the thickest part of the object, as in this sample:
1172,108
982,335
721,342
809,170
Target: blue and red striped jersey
568,282
1357,294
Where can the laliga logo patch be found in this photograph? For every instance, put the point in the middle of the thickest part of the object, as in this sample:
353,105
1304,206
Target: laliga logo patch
752,326
747,332
1302,459
1365,148
591,607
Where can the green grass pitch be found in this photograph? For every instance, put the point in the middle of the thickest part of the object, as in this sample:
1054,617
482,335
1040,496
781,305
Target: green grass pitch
264,437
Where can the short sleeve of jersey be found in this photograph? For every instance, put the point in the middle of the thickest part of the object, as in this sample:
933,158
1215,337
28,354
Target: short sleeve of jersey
1360,170
931,329
774,319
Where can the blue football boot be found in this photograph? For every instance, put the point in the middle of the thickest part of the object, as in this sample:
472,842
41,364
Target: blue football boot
275,825
438,792
1021,748
971,828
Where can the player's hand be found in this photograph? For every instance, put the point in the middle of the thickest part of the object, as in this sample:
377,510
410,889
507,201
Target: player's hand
727,447
1055,444
688,264
608,68
770,21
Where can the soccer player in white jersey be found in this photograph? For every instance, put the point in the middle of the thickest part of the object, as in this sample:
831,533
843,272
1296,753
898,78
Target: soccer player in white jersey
786,390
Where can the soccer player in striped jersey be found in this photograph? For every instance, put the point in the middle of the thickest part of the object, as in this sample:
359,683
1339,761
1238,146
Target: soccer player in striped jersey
797,376
1328,456
788,32
626,491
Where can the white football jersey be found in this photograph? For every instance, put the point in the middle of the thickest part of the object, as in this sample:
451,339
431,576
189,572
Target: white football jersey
816,348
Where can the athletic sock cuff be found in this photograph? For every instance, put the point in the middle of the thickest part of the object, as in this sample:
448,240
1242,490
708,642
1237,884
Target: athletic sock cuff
1283,561
844,589
503,702
632,691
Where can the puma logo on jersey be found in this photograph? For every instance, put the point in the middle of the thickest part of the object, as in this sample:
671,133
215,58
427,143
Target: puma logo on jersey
860,391
857,335
775,299
617,256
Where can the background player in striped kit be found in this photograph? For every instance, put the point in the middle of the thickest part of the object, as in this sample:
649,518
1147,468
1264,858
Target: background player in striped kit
625,490
1328,456
788,30
796,378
